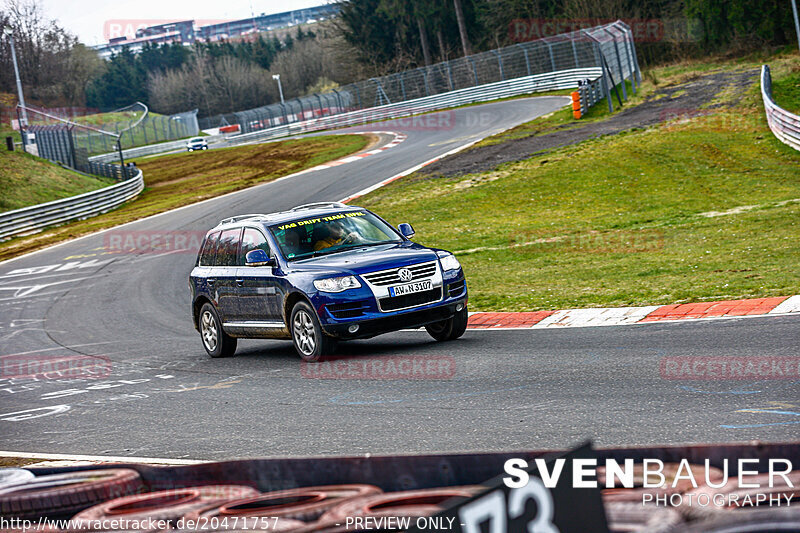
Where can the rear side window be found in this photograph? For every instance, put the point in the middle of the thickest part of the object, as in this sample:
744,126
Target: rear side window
251,240
209,249
228,248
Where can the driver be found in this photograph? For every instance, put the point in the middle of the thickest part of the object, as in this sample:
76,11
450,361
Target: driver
332,234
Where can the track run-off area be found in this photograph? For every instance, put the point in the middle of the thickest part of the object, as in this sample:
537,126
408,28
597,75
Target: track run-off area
161,395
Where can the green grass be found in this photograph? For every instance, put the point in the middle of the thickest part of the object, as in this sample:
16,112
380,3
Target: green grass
181,179
786,90
27,180
621,220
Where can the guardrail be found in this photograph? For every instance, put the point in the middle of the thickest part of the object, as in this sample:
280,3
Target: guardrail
34,218
785,125
590,93
549,81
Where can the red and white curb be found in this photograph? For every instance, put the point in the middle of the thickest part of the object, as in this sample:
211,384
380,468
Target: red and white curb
621,316
398,138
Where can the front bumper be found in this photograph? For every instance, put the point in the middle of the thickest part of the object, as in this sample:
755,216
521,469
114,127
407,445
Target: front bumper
394,322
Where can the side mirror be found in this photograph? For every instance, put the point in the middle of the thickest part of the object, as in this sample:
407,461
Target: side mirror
257,258
406,230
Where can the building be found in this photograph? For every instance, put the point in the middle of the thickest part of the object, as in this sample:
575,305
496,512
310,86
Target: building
186,33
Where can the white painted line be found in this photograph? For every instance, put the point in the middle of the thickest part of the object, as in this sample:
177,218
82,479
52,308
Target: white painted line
99,458
406,172
790,305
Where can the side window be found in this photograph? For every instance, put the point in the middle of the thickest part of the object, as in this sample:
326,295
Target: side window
251,240
209,249
228,248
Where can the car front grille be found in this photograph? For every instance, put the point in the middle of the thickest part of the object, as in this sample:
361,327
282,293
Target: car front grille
411,300
390,277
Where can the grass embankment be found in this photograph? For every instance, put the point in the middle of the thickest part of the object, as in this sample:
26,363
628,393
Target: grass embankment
786,89
27,180
703,208
176,180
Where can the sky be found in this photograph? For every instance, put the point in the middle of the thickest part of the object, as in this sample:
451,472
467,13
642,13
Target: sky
93,20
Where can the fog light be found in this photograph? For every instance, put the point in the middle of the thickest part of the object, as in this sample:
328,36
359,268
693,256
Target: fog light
353,328
459,307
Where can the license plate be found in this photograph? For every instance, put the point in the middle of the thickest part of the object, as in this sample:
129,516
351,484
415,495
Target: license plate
419,286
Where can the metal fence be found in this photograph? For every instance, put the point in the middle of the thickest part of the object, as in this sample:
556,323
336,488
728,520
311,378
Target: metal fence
151,129
609,47
539,82
785,125
57,143
32,219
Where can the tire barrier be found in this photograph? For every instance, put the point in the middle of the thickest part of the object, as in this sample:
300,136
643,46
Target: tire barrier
754,521
246,523
413,503
630,517
66,494
720,501
670,472
306,504
14,476
163,505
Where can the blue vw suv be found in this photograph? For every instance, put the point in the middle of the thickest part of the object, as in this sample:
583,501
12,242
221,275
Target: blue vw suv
321,273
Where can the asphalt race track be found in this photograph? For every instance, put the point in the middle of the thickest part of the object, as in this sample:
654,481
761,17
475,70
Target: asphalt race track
491,390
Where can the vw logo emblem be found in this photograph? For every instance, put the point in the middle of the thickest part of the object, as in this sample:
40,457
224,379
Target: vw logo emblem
405,274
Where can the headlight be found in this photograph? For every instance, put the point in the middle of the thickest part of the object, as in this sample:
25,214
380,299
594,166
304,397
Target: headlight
336,284
449,262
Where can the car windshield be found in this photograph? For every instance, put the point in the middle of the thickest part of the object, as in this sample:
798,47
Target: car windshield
312,236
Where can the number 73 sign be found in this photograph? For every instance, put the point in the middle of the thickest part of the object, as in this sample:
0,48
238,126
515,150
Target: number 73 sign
532,508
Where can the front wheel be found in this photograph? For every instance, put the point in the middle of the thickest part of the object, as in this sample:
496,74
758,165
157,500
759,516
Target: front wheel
309,340
216,342
450,329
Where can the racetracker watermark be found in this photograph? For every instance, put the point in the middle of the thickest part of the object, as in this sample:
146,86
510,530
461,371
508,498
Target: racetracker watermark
153,242
729,368
55,366
714,120
128,28
388,367
592,242
643,30
413,120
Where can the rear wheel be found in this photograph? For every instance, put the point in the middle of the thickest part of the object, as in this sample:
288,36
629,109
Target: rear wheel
216,342
450,329
309,340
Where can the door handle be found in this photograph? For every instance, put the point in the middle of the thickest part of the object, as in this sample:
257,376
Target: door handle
240,282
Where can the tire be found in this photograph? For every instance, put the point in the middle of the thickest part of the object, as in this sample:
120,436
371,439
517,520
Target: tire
216,342
450,329
169,504
750,521
66,494
634,517
14,476
307,335
205,147
412,503
305,504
